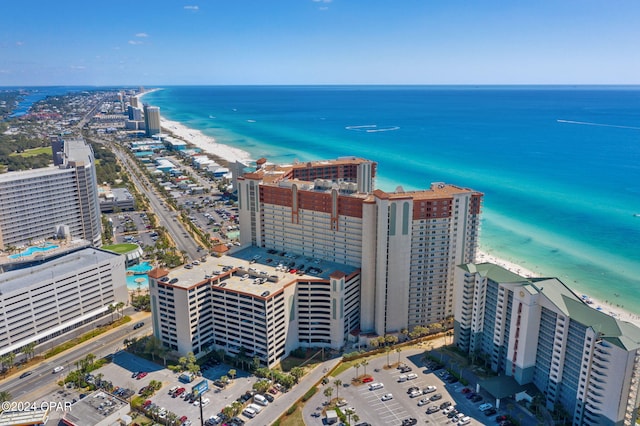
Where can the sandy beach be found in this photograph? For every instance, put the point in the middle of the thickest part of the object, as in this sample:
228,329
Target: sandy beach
607,308
195,137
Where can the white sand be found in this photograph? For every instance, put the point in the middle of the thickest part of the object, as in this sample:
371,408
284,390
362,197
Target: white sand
206,143
607,308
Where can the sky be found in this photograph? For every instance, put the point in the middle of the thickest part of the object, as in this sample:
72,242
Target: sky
224,42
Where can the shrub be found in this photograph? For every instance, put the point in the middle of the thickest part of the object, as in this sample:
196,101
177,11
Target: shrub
292,409
309,394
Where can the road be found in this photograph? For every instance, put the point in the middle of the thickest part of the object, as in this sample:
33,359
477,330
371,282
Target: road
43,375
166,217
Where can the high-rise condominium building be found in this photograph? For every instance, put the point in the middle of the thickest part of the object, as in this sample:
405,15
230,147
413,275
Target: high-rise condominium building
406,243
152,120
53,201
63,288
536,330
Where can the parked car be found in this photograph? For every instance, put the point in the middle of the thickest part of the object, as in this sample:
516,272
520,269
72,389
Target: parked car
141,375
423,401
412,389
490,412
138,325
436,397
429,389
367,379
445,405
387,397
477,398
432,409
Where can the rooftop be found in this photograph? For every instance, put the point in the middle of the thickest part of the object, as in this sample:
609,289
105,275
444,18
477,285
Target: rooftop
94,408
620,333
254,262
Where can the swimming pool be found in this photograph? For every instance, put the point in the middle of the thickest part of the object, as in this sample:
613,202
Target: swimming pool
140,268
33,250
134,280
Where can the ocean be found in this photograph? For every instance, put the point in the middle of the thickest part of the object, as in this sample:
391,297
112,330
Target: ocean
559,165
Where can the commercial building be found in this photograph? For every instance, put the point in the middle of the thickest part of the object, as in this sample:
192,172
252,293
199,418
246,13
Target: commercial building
406,243
536,330
53,201
47,291
253,306
152,120
98,409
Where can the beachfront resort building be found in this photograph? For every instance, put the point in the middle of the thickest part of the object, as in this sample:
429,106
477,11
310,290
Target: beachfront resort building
537,331
152,120
405,243
60,201
50,291
252,307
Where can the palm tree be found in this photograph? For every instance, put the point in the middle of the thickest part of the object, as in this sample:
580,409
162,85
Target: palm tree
5,396
120,307
387,350
398,350
357,366
364,364
355,417
328,392
349,412
29,349
111,308
232,373
338,383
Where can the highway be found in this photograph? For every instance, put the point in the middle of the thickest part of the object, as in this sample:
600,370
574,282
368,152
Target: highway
42,375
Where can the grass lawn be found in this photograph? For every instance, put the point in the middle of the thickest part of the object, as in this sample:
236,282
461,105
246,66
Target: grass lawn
33,152
121,248
295,419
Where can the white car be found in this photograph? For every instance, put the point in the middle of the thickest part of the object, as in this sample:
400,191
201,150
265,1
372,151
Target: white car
429,389
448,410
423,401
464,421
484,407
58,369
386,397
415,394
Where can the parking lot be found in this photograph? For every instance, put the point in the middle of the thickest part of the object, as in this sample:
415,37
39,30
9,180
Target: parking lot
120,373
401,407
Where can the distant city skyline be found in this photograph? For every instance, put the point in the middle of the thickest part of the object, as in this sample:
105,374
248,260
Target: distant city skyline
319,42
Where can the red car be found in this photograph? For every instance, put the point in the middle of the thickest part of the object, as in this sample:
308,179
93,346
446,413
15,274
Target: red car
141,375
367,379
146,403
178,392
183,419
466,390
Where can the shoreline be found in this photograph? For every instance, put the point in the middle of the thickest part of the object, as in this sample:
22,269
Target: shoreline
195,137
231,154
606,308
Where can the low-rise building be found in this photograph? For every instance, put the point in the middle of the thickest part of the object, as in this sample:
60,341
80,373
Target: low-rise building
98,409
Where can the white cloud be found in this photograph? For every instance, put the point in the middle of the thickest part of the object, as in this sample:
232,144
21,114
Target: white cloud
19,43
142,35
135,42
322,1
78,67
192,7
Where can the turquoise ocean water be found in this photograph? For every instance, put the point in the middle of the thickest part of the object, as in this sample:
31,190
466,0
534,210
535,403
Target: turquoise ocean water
559,166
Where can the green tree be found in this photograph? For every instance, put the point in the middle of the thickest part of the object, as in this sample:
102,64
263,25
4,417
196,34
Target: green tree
328,392
5,396
297,373
29,349
364,364
261,386
111,309
337,383
357,366
232,373
398,351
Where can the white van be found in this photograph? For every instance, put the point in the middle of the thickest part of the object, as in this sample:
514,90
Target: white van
255,407
260,399
205,402
249,412
375,386
412,376
173,389
402,378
